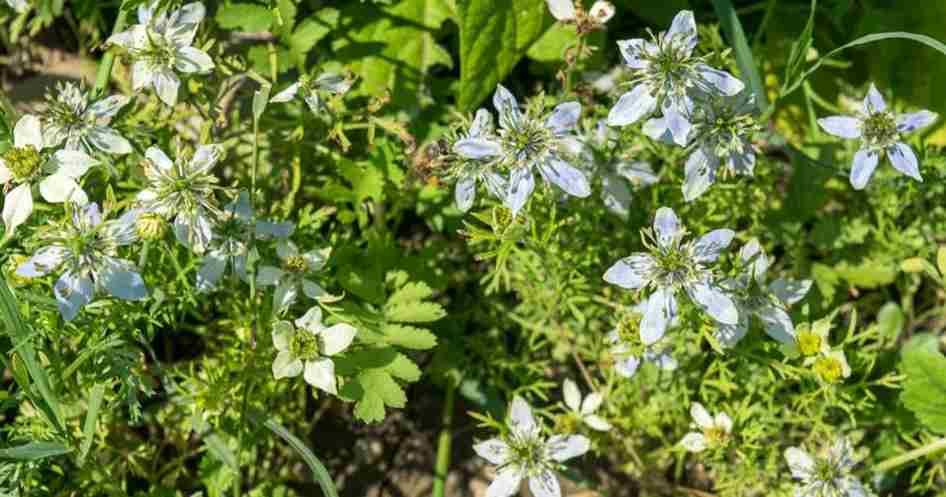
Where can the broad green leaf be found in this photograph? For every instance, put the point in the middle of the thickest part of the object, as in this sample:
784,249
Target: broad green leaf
869,273
890,320
310,31
367,182
924,389
245,16
409,337
410,292
415,312
316,466
371,381
494,35
395,48
737,37
33,451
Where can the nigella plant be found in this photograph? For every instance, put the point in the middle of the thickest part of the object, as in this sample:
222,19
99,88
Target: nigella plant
526,143
881,132
628,350
160,47
474,153
754,295
85,251
525,454
228,248
722,142
665,76
297,271
619,176
671,265
309,90
827,474
78,122
183,190
24,164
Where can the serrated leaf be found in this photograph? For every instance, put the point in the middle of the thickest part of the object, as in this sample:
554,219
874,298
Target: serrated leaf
366,182
413,291
494,36
924,389
246,16
409,337
395,48
414,312
371,380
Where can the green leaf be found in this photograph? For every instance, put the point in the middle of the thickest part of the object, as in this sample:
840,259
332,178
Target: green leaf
494,36
924,389
91,418
729,21
410,292
394,50
316,466
941,260
311,31
33,451
415,312
869,273
371,380
245,16
367,182
409,337
890,320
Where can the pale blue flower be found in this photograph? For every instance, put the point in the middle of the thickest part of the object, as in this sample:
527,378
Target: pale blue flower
754,295
85,253
228,247
310,90
672,265
619,176
78,122
628,358
526,143
827,474
477,150
297,271
881,132
665,77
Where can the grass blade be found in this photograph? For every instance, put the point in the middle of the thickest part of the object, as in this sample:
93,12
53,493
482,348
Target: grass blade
88,429
864,40
318,469
729,21
20,334
33,451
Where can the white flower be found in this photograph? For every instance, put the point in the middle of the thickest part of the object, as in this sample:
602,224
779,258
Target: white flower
755,296
160,47
184,191
665,76
826,475
296,271
722,134
618,175
24,164
526,455
20,6
714,432
630,353
526,143
831,366
881,133
229,245
564,10
309,90
474,165
85,251
585,409
79,124
308,347
670,266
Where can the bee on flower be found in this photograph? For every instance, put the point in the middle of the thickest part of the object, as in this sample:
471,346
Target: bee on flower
525,454
526,143
26,164
309,90
85,251
473,164
308,347
297,271
665,77
755,296
183,191
714,432
881,133
672,265
826,474
584,409
160,47
77,122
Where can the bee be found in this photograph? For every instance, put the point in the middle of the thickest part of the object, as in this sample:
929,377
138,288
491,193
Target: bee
427,160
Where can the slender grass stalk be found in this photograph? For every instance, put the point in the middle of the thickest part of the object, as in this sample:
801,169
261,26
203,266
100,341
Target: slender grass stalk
896,461
105,65
442,467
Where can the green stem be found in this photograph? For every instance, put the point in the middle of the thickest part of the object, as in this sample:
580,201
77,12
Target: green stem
893,462
443,443
105,66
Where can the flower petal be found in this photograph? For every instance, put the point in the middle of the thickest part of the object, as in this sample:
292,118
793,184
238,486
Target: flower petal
874,101
563,10
166,84
158,159
908,123
708,247
212,269
728,335
632,106
286,366
628,366
632,272
192,60
285,294
904,160
667,226
800,463
723,421
719,82
678,125
694,442
521,185
564,117
521,422
790,291
465,193
28,132
477,148
268,275
106,108
17,207
564,447
282,336
683,29
205,158
493,450
865,161
700,416
320,374
120,281
661,308
72,293
545,484
591,403
44,261
700,173
337,338
286,95
507,106
842,126
616,194
632,50
506,483
596,422
565,176
713,301
571,395
778,324
108,140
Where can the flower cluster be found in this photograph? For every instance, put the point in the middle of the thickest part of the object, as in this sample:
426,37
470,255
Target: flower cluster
827,474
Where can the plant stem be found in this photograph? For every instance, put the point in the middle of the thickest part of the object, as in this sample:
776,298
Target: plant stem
443,443
893,462
105,66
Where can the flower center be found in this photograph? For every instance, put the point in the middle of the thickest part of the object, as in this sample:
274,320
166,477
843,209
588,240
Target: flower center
629,332
23,162
809,343
880,129
527,140
304,345
528,454
295,264
150,226
715,435
825,471
829,369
